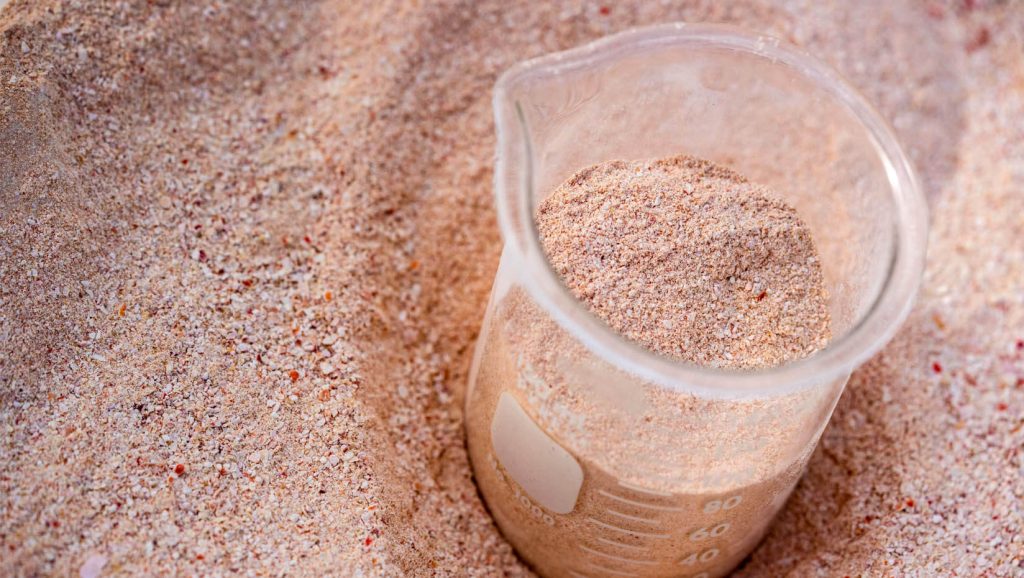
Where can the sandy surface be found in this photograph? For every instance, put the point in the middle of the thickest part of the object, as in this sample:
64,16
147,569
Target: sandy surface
244,248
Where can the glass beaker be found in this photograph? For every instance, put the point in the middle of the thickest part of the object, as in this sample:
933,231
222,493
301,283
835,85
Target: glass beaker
598,458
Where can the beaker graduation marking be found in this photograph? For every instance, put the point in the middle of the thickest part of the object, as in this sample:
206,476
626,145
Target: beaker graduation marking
616,558
627,531
611,570
644,490
620,544
638,504
650,521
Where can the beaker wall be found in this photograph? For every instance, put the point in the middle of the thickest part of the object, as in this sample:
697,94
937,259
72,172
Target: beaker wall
597,457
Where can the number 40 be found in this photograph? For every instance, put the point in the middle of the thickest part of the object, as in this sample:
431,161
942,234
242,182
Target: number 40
703,557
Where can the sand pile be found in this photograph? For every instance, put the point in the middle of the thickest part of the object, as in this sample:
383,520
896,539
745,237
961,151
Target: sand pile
244,248
629,238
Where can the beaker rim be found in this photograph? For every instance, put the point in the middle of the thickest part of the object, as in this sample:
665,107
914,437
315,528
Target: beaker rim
864,338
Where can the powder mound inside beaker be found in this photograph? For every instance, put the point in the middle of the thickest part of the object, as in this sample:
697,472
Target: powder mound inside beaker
690,260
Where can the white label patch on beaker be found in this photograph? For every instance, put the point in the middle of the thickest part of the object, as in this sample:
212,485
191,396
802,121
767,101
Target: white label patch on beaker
548,473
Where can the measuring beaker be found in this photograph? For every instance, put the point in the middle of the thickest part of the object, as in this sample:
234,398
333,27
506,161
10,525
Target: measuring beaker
598,458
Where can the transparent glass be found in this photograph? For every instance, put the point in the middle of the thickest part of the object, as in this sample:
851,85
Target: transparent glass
597,457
